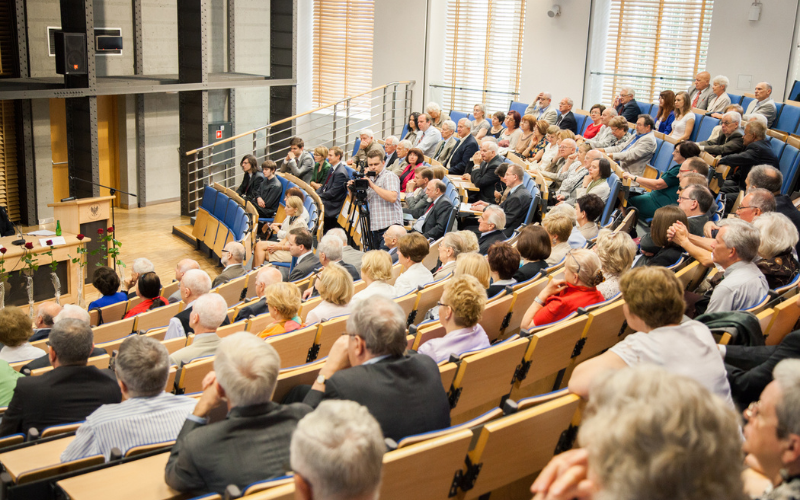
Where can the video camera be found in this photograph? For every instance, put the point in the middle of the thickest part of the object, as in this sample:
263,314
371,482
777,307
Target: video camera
361,184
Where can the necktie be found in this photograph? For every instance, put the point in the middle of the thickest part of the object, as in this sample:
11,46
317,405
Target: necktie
696,98
439,150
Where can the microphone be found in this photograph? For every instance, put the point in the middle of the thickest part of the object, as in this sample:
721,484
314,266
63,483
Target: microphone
21,241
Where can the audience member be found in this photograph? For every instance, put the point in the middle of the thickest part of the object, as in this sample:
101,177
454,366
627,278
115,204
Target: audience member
298,161
771,179
403,147
417,202
595,182
778,239
635,154
69,392
142,369
412,249
527,126
517,200
757,151
461,157
390,148
376,271
278,251
576,239
180,269
491,224
335,286
750,367
533,245
637,421
480,125
437,117
666,112
232,258
538,141
433,222
616,252
483,174
559,228
252,444
300,247
604,137
390,239
504,262
350,255
413,162
542,108
368,366
471,243
333,189
701,92
207,315
106,281
695,201
15,334
473,264
283,304
729,141
383,196
193,284
268,198
684,118
575,174
451,246
8,381
322,167
413,129
720,98
545,154
444,148
654,307
763,104
560,298
596,116
562,165
428,136
511,135
588,209
368,145
626,105
45,317
566,120
264,278
329,251
68,311
139,267
660,250
252,178
148,287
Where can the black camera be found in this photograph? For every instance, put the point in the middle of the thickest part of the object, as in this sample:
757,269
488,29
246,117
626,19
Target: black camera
361,184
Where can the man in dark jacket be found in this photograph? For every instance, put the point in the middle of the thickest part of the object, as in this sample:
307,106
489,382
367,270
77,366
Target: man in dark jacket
433,221
268,197
251,182
483,174
626,105
730,139
757,151
333,191
461,158
771,179
567,119
266,276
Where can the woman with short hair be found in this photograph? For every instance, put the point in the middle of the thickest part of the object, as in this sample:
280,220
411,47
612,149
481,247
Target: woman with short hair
462,303
479,125
596,115
449,249
335,286
411,250
148,287
533,245
528,127
560,298
778,237
664,252
474,264
539,141
376,271
720,100
497,125
588,209
543,158
278,251
283,303
15,330
616,252
470,241
558,227
503,264
654,307
511,135
106,281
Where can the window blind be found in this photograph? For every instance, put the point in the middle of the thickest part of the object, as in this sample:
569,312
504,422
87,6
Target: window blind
343,32
655,45
483,53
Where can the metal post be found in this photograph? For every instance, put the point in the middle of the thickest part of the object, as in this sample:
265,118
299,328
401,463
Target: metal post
394,106
334,124
383,121
255,144
347,124
267,141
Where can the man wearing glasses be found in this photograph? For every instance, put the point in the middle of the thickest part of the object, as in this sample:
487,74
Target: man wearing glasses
626,105
730,140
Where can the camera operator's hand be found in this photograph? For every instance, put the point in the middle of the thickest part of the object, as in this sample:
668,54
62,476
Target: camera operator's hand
349,161
350,183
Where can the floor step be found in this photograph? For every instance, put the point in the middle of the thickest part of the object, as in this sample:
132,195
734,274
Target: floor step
185,232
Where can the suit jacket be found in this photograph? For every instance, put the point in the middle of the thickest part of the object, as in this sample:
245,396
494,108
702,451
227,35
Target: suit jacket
635,158
567,122
766,108
204,345
485,178
40,334
350,268
403,393
64,395
302,167
417,203
256,309
251,183
270,191
334,190
516,208
548,114
233,271
445,149
529,270
389,159
184,315
724,145
436,222
705,94
393,255
630,111
251,444
755,153
352,256
461,157
398,166
750,367
43,361
486,240
304,267
696,224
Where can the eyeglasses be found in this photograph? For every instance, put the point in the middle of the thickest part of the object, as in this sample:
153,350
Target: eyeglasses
442,304
578,272
682,198
742,207
753,411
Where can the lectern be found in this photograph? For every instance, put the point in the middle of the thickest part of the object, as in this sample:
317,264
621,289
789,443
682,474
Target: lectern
86,216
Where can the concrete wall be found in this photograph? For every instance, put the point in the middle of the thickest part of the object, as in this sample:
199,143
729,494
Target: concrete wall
43,157
161,127
160,37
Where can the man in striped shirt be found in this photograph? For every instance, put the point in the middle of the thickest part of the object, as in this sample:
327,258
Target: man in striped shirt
146,415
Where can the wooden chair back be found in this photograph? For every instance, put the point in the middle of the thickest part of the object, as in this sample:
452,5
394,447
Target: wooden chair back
55,430
175,344
329,331
294,347
139,450
259,323
495,316
264,486
427,332
173,370
156,318
298,375
112,346
397,270
605,327
408,302
428,298
113,331
786,315
433,254
170,288
58,469
190,376
226,330
523,299
100,362
232,290
114,312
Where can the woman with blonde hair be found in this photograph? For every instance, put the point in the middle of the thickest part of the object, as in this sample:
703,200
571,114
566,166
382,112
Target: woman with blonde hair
528,128
558,227
470,241
15,332
468,264
560,298
616,252
376,271
684,118
479,125
543,158
278,251
283,303
321,167
449,249
335,286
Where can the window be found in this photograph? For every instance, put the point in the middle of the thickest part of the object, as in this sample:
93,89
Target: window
655,45
342,49
483,53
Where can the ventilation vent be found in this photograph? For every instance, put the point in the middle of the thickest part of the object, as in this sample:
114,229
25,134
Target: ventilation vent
51,39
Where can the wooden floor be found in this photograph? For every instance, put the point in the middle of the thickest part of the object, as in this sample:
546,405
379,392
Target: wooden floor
147,232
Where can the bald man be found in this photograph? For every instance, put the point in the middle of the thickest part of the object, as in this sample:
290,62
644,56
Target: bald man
701,91
43,322
180,270
265,277
232,259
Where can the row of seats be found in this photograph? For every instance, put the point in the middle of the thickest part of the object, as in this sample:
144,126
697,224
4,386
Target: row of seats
220,220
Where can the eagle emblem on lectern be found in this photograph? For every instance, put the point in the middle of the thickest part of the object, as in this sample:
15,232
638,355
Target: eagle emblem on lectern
95,210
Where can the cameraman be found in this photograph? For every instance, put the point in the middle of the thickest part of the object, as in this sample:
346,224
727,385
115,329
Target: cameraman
383,197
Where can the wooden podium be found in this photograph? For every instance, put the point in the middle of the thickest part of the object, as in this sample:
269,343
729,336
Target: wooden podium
85,216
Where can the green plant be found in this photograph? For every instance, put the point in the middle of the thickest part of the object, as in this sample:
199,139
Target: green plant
31,262
112,252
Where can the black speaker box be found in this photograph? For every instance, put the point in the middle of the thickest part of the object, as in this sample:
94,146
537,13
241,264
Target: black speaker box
70,53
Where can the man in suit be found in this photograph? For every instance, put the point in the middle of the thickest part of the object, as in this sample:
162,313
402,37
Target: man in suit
252,443
483,175
757,151
771,179
68,393
696,201
300,246
298,161
266,276
428,136
390,237
207,315
433,222
730,139
491,224
626,105
350,255
251,182
232,257
400,163
194,284
701,91
333,191
542,108
403,392
390,147
268,197
43,322
445,147
567,119
461,157
330,250
634,155
763,104
180,269
517,202
417,202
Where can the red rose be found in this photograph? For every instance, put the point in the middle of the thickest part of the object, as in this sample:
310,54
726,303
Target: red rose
100,231
29,245
3,250
49,242
111,229
80,237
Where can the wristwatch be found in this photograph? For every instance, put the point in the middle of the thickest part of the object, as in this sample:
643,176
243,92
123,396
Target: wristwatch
321,379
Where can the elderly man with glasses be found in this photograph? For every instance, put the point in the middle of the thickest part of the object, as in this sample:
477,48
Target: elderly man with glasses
626,105
730,139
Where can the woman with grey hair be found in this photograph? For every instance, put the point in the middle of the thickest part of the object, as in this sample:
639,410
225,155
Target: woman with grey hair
721,99
647,433
480,125
778,238
449,248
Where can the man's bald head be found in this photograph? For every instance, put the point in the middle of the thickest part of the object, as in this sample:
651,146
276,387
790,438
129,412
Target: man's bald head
183,266
46,314
702,80
267,276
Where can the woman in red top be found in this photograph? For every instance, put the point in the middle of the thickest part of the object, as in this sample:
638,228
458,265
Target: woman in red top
560,298
415,157
148,286
596,115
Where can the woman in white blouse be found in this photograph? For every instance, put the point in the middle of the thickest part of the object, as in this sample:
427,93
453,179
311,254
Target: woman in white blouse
278,251
721,99
376,271
546,155
510,136
411,250
335,286
684,118
15,330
